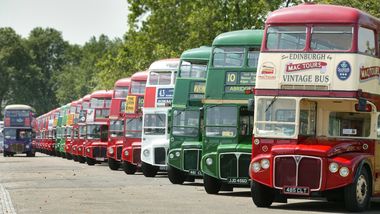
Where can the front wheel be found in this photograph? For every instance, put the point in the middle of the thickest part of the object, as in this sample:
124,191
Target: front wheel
30,154
129,168
211,184
149,170
113,164
357,195
81,159
262,195
176,176
90,161
69,156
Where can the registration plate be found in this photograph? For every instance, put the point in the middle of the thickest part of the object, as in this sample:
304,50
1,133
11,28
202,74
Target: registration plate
237,180
195,172
99,159
296,190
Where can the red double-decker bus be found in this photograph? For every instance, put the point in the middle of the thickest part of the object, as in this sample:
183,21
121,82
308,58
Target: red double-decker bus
97,127
133,123
317,100
78,143
116,122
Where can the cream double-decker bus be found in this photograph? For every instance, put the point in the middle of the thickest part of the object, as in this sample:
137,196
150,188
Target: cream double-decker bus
317,107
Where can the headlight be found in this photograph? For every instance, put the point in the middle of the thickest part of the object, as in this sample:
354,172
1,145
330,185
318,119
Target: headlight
344,171
177,154
333,167
126,153
88,150
74,148
256,166
171,156
146,153
6,146
80,149
209,161
110,150
265,163
27,146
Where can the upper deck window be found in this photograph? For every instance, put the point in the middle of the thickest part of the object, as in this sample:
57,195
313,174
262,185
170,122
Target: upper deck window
253,57
366,41
331,38
160,78
138,87
286,38
193,70
121,92
85,105
228,57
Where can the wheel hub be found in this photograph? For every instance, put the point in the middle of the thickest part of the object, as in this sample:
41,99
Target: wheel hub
361,189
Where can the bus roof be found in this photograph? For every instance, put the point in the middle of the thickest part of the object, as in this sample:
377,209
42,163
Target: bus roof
239,38
86,98
321,13
165,64
140,76
102,94
19,107
197,54
123,82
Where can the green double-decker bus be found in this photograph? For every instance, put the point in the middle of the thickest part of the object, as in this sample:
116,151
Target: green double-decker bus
61,132
226,148
185,145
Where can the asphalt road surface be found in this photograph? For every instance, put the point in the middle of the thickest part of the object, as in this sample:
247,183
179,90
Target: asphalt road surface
45,184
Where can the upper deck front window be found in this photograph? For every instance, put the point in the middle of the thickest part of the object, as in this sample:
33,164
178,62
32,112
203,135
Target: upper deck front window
138,87
121,92
286,38
331,38
275,117
228,57
160,78
193,70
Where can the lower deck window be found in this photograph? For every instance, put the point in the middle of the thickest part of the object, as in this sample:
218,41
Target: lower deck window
349,124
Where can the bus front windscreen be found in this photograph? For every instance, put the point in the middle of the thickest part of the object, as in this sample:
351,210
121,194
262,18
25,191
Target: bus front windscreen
116,128
228,57
185,123
133,128
93,131
155,124
221,121
275,117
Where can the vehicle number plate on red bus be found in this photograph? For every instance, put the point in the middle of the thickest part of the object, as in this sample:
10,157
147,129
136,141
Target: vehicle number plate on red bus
237,180
296,190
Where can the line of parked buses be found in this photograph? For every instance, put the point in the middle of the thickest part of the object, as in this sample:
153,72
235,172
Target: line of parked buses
309,128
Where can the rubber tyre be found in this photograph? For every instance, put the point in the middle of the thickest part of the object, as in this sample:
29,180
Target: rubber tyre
75,158
262,195
5,154
211,184
149,170
58,153
81,159
176,176
358,194
90,161
113,164
128,168
30,154
69,156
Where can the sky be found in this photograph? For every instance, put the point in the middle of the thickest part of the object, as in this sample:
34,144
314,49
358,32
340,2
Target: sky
77,20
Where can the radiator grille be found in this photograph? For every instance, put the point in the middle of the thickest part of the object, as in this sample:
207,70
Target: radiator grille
302,171
159,156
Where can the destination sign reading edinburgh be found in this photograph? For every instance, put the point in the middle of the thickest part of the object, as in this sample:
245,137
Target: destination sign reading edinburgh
369,72
305,66
307,56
